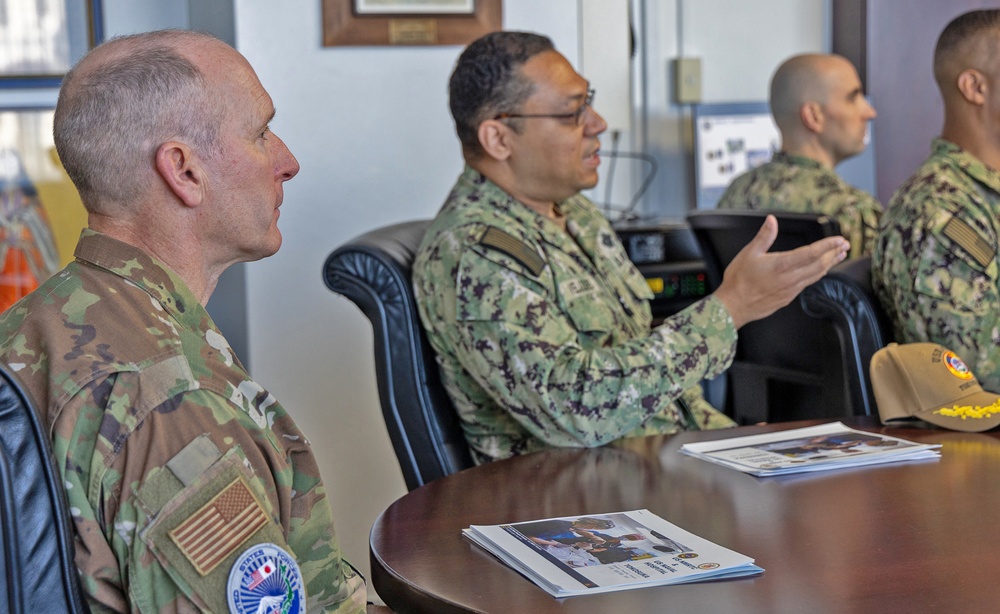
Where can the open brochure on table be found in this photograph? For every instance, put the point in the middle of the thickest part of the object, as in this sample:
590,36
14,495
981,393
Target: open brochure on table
815,448
581,555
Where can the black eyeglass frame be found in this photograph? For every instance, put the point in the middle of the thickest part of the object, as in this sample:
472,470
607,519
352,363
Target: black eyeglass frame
576,116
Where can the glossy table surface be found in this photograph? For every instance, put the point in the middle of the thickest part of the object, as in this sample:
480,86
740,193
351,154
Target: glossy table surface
906,537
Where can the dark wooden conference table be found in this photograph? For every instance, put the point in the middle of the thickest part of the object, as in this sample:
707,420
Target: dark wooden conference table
908,537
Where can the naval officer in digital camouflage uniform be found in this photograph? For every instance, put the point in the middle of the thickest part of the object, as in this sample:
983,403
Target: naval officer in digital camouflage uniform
190,487
822,114
540,323
935,266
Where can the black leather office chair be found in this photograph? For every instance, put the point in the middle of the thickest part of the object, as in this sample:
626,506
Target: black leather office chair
788,366
373,270
38,574
845,298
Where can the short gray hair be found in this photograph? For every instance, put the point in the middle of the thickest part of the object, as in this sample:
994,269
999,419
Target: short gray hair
111,117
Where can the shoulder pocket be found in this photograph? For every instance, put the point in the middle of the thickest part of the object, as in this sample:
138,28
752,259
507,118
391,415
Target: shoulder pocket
970,241
513,248
202,528
962,264
493,286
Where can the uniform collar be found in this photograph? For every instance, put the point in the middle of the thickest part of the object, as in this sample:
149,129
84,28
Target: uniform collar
970,164
143,271
783,157
523,215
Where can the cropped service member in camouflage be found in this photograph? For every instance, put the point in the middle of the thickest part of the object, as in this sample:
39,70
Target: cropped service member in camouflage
822,114
935,266
159,432
800,184
556,350
540,323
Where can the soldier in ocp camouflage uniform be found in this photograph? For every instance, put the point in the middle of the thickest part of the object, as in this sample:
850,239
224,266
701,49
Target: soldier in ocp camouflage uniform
935,266
177,465
540,323
821,111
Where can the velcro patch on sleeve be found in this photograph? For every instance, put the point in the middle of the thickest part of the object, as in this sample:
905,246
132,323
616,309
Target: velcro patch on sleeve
969,240
219,527
515,248
194,459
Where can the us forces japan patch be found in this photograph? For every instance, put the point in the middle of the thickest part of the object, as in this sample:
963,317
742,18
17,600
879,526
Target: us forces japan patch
265,578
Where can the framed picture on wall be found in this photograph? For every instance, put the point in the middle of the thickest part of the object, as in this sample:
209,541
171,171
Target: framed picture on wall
416,7
41,39
408,22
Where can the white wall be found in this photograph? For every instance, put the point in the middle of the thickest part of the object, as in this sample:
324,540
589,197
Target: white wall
740,44
371,129
125,17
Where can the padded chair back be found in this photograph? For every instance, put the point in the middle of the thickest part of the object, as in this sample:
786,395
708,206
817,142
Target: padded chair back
787,366
845,298
373,270
39,573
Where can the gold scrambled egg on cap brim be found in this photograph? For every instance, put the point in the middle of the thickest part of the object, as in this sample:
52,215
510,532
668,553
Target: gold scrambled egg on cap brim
930,382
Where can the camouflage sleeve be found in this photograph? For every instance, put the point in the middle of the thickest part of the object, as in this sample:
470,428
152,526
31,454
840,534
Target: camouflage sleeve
704,415
871,215
954,302
137,483
553,366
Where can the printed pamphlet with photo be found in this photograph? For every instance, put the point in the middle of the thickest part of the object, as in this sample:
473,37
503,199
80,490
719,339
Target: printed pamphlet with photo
579,555
815,448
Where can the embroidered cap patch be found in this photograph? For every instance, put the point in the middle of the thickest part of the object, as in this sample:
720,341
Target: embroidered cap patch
265,578
219,527
955,364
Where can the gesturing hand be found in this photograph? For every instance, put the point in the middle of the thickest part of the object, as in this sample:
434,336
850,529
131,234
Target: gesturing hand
756,283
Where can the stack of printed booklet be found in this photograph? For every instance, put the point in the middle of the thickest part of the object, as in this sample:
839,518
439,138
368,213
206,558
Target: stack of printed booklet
815,448
581,555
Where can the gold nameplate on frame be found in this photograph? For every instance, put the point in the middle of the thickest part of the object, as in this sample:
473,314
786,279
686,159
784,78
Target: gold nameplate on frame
412,31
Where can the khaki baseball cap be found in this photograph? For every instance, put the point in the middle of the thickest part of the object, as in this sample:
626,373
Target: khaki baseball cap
930,382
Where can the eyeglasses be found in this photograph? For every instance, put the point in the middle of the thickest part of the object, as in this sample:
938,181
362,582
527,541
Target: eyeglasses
576,116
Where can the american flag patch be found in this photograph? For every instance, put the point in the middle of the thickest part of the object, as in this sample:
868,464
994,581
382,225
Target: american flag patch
213,532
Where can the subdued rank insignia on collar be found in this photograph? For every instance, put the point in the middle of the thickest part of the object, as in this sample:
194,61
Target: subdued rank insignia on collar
515,248
969,240
265,578
220,526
